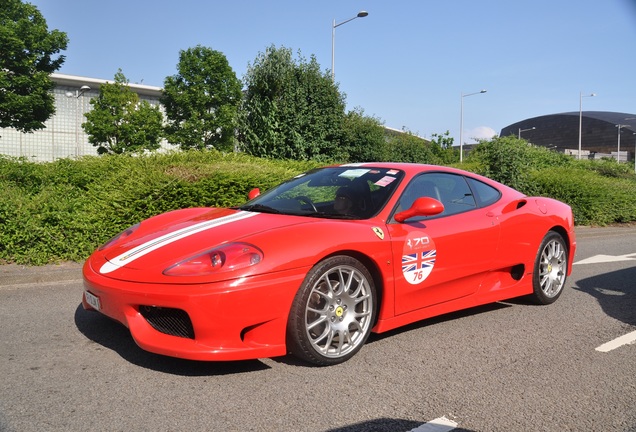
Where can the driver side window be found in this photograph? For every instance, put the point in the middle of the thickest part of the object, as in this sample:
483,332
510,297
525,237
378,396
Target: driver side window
450,189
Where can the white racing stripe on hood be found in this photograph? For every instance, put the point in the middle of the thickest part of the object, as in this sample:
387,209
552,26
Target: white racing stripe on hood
166,239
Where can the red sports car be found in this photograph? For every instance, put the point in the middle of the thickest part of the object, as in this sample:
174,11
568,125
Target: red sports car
314,265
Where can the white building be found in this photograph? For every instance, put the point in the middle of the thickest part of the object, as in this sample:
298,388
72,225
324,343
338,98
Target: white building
63,136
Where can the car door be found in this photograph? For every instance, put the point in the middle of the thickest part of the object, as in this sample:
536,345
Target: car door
444,257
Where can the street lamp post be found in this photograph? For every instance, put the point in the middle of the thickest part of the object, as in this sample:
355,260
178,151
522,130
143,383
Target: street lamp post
581,96
618,150
461,123
634,133
361,14
525,130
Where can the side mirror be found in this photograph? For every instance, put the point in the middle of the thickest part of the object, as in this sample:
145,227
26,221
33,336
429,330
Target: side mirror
254,193
423,206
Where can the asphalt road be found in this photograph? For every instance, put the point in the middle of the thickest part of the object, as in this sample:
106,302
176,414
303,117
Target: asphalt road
504,367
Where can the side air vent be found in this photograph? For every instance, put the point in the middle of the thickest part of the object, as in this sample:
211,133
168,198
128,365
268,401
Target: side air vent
514,205
516,272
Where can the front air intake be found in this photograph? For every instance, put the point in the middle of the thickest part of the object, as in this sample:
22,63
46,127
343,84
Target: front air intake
174,322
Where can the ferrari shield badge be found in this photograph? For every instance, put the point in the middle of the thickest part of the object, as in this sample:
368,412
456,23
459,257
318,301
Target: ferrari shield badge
378,231
418,257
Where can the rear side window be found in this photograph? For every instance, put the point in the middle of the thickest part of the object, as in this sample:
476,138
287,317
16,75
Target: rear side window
484,194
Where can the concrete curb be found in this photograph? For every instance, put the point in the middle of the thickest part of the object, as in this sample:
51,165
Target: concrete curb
14,274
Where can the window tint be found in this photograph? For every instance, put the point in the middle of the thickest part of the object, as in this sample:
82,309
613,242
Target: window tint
345,192
450,189
485,194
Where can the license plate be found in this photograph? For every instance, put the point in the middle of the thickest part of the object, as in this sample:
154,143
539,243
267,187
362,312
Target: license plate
92,300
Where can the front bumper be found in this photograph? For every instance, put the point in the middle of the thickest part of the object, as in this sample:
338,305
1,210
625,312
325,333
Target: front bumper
231,320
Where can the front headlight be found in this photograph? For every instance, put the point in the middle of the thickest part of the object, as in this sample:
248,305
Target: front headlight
229,257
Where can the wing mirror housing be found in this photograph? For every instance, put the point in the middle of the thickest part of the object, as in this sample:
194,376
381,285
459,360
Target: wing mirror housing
423,206
254,193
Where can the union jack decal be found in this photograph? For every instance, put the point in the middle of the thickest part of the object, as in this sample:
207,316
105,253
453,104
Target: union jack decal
418,261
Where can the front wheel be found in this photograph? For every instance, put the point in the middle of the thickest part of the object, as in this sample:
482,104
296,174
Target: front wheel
333,312
550,269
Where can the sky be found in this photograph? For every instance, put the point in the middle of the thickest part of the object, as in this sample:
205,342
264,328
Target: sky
409,63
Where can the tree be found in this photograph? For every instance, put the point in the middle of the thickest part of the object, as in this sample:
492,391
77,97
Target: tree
507,160
119,122
511,160
408,147
442,148
202,100
27,58
291,109
363,137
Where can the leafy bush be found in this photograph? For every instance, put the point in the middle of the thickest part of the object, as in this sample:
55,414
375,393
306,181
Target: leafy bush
511,161
594,199
63,210
599,192
609,168
363,137
408,147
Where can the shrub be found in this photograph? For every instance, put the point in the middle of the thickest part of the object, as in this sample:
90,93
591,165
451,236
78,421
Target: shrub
609,168
511,161
65,209
595,199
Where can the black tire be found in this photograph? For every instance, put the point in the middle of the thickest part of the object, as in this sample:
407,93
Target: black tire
333,312
550,269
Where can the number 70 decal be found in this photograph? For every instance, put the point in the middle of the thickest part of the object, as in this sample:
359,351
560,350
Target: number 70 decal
418,257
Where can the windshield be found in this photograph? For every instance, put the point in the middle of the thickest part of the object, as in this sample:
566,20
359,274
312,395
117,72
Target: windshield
345,192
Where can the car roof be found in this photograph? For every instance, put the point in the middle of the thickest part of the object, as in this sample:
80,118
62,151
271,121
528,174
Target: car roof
412,169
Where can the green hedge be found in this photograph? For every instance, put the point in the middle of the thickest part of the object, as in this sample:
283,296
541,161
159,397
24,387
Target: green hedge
62,211
600,192
595,199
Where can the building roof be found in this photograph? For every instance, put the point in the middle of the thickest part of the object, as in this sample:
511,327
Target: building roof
597,133
78,81
615,118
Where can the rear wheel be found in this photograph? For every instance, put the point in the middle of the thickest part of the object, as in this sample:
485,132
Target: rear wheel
550,269
333,312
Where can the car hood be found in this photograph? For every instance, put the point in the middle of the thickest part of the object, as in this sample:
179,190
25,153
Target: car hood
167,239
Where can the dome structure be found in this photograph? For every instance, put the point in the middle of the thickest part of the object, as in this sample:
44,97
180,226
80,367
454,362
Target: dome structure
599,133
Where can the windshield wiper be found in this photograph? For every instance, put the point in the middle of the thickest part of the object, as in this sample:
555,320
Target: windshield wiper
260,208
332,215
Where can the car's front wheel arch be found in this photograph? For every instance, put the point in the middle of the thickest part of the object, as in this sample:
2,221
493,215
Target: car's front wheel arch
374,269
333,311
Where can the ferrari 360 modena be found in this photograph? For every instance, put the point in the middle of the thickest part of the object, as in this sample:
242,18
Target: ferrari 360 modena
314,265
